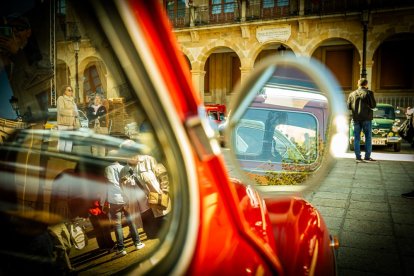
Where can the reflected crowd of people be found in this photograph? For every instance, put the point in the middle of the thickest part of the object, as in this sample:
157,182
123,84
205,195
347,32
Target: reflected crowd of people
114,198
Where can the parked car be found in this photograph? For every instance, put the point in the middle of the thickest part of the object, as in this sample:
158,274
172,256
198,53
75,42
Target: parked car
218,223
216,112
385,127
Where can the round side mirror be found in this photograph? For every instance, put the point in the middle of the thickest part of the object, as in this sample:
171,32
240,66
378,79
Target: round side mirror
287,120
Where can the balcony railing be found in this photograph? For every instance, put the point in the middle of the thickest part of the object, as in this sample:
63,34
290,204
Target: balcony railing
216,14
256,10
265,9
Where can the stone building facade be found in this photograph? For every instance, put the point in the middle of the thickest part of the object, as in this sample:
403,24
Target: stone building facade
222,40
222,49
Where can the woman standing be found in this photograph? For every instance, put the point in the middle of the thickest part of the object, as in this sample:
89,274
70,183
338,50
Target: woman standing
96,114
67,117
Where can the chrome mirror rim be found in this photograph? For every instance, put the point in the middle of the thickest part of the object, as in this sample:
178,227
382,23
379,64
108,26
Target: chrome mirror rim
338,114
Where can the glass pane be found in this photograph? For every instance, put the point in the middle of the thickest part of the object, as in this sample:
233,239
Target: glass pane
71,169
268,3
282,3
216,7
229,6
277,136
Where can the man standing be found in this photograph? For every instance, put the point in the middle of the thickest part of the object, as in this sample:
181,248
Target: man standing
361,102
117,200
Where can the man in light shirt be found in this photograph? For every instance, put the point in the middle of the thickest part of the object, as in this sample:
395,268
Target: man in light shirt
117,202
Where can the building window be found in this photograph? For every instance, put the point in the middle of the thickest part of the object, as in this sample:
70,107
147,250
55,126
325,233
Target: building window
92,82
275,3
222,6
61,7
176,8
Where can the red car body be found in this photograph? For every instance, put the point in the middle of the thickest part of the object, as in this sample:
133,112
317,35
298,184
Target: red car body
237,232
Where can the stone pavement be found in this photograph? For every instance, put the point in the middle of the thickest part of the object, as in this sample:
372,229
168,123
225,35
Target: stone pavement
362,205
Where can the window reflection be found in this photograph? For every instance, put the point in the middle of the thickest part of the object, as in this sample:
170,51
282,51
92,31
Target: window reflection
60,208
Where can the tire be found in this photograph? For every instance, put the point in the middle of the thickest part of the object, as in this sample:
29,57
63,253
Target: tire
351,147
397,147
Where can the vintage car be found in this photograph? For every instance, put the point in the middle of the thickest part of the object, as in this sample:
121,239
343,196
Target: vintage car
385,127
217,222
216,112
283,130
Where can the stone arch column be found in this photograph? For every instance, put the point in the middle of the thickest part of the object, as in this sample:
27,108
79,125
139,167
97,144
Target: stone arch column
368,67
245,70
197,76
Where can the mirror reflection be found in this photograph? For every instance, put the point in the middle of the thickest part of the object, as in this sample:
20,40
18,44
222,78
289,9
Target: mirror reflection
280,138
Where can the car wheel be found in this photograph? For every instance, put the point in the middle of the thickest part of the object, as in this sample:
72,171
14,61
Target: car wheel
397,147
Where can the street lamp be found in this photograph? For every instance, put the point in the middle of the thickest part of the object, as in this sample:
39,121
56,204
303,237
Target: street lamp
75,37
365,21
76,48
14,102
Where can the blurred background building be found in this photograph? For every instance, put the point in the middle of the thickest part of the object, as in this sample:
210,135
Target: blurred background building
222,40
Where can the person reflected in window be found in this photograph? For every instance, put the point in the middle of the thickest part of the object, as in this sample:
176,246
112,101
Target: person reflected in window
117,201
273,119
136,191
155,178
67,117
97,117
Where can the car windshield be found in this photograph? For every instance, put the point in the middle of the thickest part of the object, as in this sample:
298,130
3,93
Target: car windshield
384,112
290,138
79,139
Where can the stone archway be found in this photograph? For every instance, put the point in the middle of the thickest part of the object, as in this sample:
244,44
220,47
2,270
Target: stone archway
342,58
93,77
393,70
270,49
222,72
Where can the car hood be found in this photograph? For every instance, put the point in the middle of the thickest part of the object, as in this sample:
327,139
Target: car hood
382,123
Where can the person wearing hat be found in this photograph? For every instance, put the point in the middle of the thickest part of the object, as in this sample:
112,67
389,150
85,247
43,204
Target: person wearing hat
117,201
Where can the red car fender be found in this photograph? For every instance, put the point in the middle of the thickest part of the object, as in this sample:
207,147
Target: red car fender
228,240
301,237
255,213
225,242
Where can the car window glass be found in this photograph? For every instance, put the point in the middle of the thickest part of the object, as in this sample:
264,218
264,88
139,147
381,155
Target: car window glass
291,139
57,192
384,112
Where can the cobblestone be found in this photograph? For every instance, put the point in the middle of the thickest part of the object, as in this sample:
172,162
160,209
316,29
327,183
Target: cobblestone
362,205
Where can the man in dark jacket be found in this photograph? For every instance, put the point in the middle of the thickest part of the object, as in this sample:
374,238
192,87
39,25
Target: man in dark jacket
361,102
